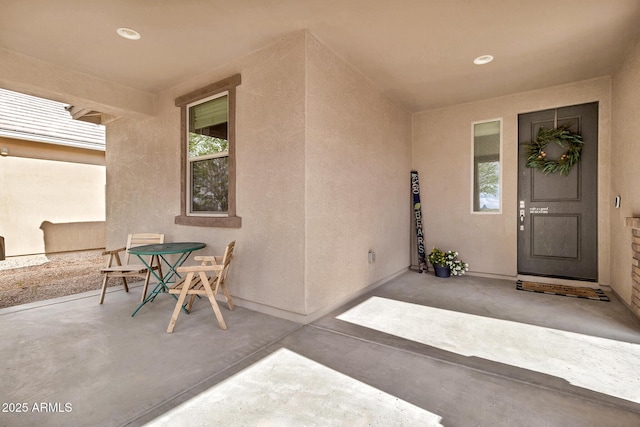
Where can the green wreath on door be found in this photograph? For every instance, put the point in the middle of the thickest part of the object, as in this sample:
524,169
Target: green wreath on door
537,157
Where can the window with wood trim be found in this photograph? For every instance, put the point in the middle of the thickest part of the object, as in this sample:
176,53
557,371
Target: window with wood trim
208,156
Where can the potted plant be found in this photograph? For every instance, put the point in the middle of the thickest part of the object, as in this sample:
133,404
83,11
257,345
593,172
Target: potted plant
447,263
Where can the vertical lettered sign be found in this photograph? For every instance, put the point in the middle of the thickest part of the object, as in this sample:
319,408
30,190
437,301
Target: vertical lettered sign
417,214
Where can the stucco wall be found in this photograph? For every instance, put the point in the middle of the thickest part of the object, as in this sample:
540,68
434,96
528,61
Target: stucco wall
625,158
442,156
358,157
51,206
323,164
143,177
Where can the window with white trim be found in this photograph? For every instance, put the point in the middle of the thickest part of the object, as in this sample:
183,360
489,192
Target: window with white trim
208,156
487,182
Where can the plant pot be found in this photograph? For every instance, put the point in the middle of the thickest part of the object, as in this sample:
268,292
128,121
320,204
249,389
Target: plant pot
442,270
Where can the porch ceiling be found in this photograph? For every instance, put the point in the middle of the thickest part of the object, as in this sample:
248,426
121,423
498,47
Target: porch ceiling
419,52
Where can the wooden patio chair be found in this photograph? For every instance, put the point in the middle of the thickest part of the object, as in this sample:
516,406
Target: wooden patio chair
197,283
118,266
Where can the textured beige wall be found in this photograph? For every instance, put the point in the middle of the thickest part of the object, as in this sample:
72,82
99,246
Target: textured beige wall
358,157
143,177
73,236
625,171
323,164
42,197
442,156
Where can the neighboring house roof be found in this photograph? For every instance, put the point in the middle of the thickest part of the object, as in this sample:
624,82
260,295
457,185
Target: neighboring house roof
35,119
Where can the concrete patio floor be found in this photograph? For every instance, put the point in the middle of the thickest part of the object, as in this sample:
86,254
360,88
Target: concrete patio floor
93,364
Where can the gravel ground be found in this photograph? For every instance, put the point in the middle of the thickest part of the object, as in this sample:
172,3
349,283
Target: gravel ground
39,277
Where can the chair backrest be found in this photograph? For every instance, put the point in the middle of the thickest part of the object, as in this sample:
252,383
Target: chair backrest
140,239
226,261
210,261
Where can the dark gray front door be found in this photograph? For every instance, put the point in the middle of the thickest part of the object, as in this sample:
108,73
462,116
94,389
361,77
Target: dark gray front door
557,214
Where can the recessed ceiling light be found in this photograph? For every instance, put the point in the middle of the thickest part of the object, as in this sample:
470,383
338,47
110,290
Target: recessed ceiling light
128,33
484,59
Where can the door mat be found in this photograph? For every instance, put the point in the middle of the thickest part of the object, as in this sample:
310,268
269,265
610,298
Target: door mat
567,291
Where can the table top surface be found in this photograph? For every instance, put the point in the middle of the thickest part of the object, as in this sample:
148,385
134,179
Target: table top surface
167,248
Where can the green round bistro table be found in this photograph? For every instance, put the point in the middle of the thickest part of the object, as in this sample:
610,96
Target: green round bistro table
159,253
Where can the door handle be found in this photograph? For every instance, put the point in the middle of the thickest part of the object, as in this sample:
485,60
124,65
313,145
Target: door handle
521,219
